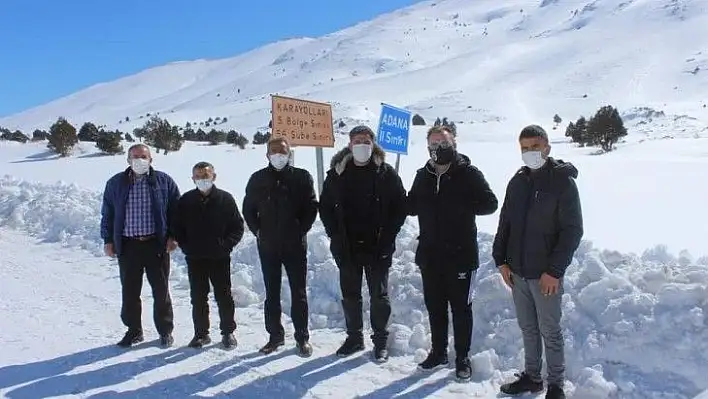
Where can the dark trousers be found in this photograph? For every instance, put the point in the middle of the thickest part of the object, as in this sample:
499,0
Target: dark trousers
350,276
295,263
138,257
441,288
218,272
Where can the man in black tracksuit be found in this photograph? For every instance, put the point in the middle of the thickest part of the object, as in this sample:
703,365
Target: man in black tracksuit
280,207
447,194
209,225
362,208
540,227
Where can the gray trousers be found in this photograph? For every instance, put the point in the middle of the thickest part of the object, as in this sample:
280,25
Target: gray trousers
539,317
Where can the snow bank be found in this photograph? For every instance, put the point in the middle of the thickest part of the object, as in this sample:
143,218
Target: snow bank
635,325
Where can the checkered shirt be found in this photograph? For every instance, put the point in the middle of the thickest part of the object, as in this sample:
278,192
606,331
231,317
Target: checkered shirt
139,219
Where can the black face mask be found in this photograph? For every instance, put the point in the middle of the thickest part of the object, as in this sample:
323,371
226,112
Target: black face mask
443,155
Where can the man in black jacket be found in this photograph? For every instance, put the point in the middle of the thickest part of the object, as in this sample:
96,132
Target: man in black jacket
280,207
209,225
447,195
540,227
362,208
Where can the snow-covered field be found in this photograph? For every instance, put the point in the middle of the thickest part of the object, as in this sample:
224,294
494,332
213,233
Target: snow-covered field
635,324
636,302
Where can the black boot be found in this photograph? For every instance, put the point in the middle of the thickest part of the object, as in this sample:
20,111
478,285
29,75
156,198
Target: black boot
272,345
199,341
304,349
555,392
228,341
166,340
351,346
523,384
380,354
463,369
131,338
434,361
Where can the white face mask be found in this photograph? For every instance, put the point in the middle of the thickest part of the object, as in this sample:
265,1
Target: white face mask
278,160
362,152
140,166
204,185
533,159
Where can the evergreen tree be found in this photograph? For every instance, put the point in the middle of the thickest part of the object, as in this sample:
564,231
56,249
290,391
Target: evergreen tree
88,132
557,119
39,135
62,137
201,135
606,127
232,136
260,138
109,142
216,136
189,134
241,141
160,134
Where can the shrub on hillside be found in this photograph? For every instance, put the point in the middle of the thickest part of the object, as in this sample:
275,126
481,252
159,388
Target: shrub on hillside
241,141
216,136
557,119
109,142
62,137
16,136
39,135
261,138
160,134
418,120
129,138
88,132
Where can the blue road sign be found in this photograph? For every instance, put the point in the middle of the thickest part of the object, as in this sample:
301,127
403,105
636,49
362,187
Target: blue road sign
394,127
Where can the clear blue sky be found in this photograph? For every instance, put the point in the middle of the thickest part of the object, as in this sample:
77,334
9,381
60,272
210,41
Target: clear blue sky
51,48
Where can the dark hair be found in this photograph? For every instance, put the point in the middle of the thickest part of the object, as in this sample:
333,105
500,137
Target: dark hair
278,139
440,129
362,129
138,145
203,165
533,131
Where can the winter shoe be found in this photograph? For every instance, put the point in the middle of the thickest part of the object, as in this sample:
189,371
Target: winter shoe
272,346
304,349
380,354
228,341
555,392
523,384
463,369
131,338
199,341
433,361
166,340
350,347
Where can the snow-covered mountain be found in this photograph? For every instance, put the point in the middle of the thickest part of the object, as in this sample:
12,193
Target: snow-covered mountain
635,305
515,61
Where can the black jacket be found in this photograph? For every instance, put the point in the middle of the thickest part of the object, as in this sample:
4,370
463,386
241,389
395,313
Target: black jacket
447,208
280,207
541,222
208,227
387,214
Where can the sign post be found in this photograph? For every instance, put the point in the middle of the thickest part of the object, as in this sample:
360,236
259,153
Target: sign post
393,132
304,123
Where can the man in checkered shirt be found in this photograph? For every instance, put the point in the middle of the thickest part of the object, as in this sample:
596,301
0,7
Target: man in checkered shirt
139,206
